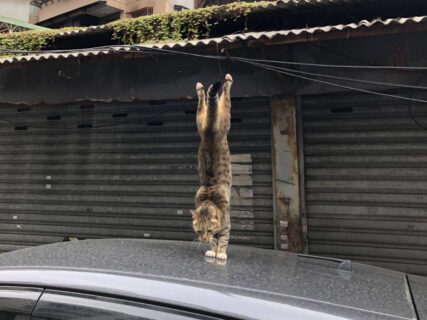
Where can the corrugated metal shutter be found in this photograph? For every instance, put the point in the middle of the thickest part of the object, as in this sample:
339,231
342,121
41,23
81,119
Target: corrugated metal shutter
366,180
124,170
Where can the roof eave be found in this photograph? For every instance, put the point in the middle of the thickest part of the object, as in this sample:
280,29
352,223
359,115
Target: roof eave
253,39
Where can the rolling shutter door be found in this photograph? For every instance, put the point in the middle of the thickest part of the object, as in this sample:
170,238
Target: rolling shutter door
124,170
366,180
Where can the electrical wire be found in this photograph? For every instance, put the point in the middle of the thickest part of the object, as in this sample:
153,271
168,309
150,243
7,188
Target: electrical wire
142,48
338,66
287,69
335,84
151,50
400,85
290,72
419,125
221,76
259,64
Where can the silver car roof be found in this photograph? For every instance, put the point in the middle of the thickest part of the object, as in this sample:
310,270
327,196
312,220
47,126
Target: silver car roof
251,284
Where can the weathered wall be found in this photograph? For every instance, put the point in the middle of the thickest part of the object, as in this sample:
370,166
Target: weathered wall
284,153
15,9
159,6
51,10
395,50
126,6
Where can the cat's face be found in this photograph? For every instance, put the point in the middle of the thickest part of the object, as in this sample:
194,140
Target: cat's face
206,222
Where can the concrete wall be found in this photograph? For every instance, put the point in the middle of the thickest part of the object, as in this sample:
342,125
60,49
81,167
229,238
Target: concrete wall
286,205
126,6
15,9
51,10
159,6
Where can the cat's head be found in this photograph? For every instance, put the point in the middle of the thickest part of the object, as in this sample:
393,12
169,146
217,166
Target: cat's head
206,221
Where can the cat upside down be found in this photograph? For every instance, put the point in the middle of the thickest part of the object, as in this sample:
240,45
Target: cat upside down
211,218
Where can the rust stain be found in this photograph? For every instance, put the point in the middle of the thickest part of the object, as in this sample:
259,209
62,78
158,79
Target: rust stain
294,234
282,205
285,153
283,117
290,123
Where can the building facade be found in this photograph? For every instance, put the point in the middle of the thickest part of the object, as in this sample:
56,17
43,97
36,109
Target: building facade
16,9
66,13
17,16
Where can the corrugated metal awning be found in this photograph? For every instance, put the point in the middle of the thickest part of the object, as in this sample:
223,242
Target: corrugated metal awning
304,34
16,25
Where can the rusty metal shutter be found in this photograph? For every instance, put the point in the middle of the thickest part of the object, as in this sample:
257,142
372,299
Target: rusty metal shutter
124,170
366,180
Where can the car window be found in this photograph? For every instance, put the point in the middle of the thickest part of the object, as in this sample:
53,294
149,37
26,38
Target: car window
13,316
60,305
16,303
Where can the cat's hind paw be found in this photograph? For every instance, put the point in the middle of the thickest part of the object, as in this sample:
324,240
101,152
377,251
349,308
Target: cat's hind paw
222,256
210,253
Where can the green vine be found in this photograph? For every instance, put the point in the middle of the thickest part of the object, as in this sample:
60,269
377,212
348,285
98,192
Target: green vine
176,26
181,26
32,40
28,40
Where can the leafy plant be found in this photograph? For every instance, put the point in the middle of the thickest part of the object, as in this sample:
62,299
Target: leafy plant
176,26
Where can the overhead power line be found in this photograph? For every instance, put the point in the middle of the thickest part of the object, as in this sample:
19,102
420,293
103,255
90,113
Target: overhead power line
339,66
146,49
399,85
292,74
260,63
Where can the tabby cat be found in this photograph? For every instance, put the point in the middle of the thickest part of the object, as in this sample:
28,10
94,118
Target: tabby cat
211,219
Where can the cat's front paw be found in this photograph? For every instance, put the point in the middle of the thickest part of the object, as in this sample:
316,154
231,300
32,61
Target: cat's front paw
228,77
199,86
210,253
222,256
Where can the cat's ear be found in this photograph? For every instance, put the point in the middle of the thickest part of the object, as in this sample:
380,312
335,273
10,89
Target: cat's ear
212,208
194,213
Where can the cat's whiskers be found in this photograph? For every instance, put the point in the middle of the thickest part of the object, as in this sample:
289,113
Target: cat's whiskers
196,240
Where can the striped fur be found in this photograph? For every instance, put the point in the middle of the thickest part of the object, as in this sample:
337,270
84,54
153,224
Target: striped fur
211,219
